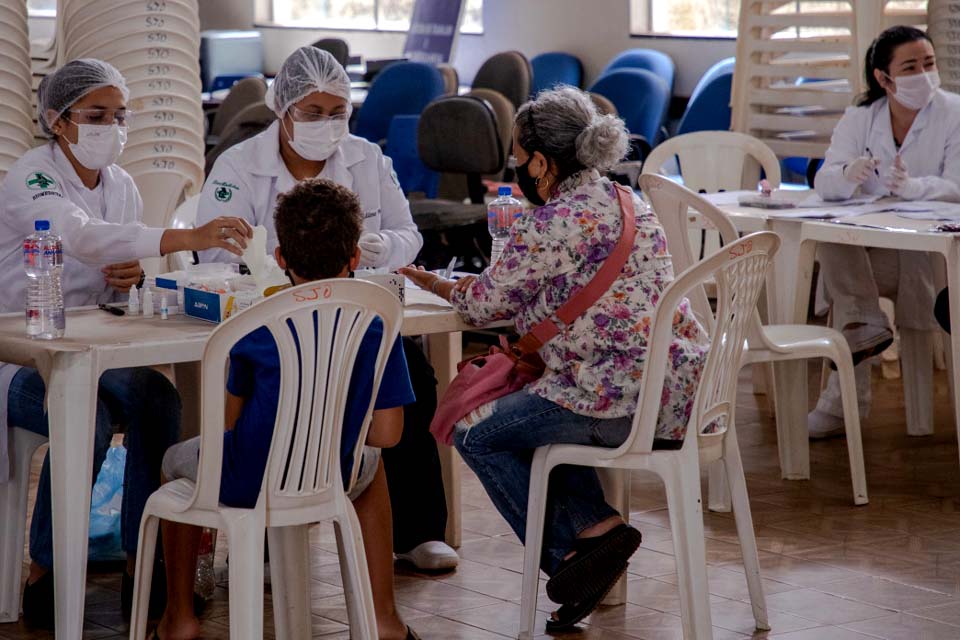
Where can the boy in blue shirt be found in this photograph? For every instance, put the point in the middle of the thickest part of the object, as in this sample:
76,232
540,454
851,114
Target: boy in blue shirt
318,225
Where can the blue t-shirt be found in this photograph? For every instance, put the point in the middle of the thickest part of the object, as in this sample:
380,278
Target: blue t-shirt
255,376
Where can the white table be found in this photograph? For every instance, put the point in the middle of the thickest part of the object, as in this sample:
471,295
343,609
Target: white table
789,291
96,341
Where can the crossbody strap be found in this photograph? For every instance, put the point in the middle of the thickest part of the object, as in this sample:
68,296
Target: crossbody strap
608,273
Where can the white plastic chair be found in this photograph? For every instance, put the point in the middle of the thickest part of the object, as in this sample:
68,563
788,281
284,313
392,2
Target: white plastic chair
302,483
13,514
739,271
185,217
767,343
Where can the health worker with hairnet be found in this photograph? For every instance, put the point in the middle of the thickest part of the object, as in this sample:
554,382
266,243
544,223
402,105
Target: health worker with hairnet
73,182
311,97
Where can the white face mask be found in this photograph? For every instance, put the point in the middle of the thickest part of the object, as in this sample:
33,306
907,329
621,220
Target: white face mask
916,91
98,145
318,140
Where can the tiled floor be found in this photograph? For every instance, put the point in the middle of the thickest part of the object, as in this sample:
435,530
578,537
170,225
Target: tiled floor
831,571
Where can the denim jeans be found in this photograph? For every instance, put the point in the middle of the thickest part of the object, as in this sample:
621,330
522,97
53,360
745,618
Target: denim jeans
143,401
499,447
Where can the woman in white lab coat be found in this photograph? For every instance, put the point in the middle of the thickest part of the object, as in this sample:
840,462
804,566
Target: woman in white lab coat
902,140
74,183
311,97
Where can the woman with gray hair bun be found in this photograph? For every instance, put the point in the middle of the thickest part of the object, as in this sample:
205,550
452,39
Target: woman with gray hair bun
594,365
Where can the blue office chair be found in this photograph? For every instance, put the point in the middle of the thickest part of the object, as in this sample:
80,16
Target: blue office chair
709,106
649,59
641,99
401,148
403,88
551,69
227,82
720,68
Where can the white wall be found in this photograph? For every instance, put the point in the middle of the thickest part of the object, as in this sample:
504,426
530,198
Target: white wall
594,30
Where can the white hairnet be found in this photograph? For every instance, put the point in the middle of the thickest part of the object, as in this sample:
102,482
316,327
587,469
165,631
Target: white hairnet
59,90
308,69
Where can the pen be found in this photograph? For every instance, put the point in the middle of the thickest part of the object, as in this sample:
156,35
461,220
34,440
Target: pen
449,270
114,310
875,170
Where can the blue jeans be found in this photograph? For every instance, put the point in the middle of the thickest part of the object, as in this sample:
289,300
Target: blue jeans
499,447
143,401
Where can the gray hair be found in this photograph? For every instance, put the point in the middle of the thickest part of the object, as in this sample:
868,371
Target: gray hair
563,124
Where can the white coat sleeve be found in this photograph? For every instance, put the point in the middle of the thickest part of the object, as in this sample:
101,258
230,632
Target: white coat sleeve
396,222
35,192
946,186
225,193
848,143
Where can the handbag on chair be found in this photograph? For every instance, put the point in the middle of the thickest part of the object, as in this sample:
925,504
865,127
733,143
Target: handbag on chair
510,367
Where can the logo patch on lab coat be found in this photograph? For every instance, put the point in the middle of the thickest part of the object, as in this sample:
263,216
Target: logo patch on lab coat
224,190
39,181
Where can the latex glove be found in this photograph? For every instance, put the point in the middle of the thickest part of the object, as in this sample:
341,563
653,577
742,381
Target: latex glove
899,182
374,250
860,170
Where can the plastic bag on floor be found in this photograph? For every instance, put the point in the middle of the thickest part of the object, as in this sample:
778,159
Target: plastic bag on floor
105,505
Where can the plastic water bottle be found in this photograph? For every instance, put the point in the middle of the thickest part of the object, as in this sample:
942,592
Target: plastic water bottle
206,580
500,216
43,264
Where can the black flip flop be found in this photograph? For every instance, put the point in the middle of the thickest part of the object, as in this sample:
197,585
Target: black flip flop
863,354
591,568
569,615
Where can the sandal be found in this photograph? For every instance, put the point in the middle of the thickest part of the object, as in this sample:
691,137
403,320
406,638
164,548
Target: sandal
595,562
412,635
568,615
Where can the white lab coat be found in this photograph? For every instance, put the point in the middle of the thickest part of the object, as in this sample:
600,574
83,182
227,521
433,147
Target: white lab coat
98,227
247,178
931,150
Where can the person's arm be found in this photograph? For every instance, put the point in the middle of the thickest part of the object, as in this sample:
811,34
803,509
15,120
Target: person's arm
234,407
225,193
386,427
397,228
847,145
396,390
946,186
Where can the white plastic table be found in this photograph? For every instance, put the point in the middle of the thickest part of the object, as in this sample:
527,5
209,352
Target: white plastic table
96,341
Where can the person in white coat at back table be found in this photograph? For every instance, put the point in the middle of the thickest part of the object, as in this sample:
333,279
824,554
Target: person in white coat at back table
74,183
902,140
311,97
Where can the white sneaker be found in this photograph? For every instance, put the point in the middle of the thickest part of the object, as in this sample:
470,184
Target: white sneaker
822,425
431,556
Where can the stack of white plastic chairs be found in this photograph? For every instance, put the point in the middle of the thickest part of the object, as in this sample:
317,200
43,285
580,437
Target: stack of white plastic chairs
155,44
943,26
16,115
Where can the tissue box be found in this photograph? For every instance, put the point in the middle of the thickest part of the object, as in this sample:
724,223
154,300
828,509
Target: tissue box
394,282
216,307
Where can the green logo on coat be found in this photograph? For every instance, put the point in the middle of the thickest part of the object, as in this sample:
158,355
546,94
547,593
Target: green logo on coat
39,181
224,190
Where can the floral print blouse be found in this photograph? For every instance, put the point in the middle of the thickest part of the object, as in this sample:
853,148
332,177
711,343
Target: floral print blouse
595,365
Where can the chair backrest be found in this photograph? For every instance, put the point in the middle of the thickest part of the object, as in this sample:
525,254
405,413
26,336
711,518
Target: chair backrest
507,72
709,107
249,122
556,67
719,68
459,134
336,47
739,270
412,174
227,82
651,60
451,79
640,96
603,105
505,113
318,328
243,94
712,161
403,88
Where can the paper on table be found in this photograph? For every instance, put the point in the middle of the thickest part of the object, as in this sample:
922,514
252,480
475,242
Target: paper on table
814,201
940,211
415,296
726,198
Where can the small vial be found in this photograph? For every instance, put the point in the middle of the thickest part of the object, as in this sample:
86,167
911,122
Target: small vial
164,309
148,303
133,304
180,297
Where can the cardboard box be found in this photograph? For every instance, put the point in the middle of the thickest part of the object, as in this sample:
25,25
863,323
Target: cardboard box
393,282
216,307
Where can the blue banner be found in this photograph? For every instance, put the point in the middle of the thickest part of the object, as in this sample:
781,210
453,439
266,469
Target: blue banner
433,29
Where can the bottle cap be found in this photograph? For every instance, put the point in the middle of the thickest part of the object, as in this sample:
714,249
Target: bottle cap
505,191
41,225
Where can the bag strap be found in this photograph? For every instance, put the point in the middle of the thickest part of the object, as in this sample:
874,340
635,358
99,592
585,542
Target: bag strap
608,273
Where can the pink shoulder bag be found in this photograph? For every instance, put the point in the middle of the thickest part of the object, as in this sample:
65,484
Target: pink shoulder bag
511,367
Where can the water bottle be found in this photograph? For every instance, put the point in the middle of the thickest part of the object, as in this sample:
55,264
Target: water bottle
43,264
206,580
500,216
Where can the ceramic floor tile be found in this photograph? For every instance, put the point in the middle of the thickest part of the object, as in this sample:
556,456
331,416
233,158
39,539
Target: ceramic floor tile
822,633
886,593
824,608
904,626
738,617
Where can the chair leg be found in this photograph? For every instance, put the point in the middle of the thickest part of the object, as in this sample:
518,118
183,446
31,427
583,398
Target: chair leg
745,532
719,491
245,541
290,581
916,353
533,544
682,483
143,573
851,421
13,515
616,490
355,574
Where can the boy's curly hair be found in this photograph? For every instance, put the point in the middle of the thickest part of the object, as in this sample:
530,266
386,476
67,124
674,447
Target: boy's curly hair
318,225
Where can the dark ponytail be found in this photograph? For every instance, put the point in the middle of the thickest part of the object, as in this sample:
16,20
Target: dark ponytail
879,55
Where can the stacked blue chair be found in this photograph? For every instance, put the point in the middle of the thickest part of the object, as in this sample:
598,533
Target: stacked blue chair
720,68
641,98
650,60
551,69
403,88
709,105
401,148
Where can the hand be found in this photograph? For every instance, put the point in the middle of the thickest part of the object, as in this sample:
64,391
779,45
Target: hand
375,250
464,283
429,281
899,182
123,275
222,233
860,170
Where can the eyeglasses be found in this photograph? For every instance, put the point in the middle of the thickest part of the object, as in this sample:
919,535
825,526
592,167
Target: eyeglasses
121,117
299,115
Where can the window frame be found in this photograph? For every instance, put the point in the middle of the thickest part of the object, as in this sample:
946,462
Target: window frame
642,27
268,19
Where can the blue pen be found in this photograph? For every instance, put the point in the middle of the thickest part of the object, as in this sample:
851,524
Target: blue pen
875,170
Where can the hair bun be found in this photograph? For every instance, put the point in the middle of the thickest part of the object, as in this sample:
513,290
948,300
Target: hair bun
603,143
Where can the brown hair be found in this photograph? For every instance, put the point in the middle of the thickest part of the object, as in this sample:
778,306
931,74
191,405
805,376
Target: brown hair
318,225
